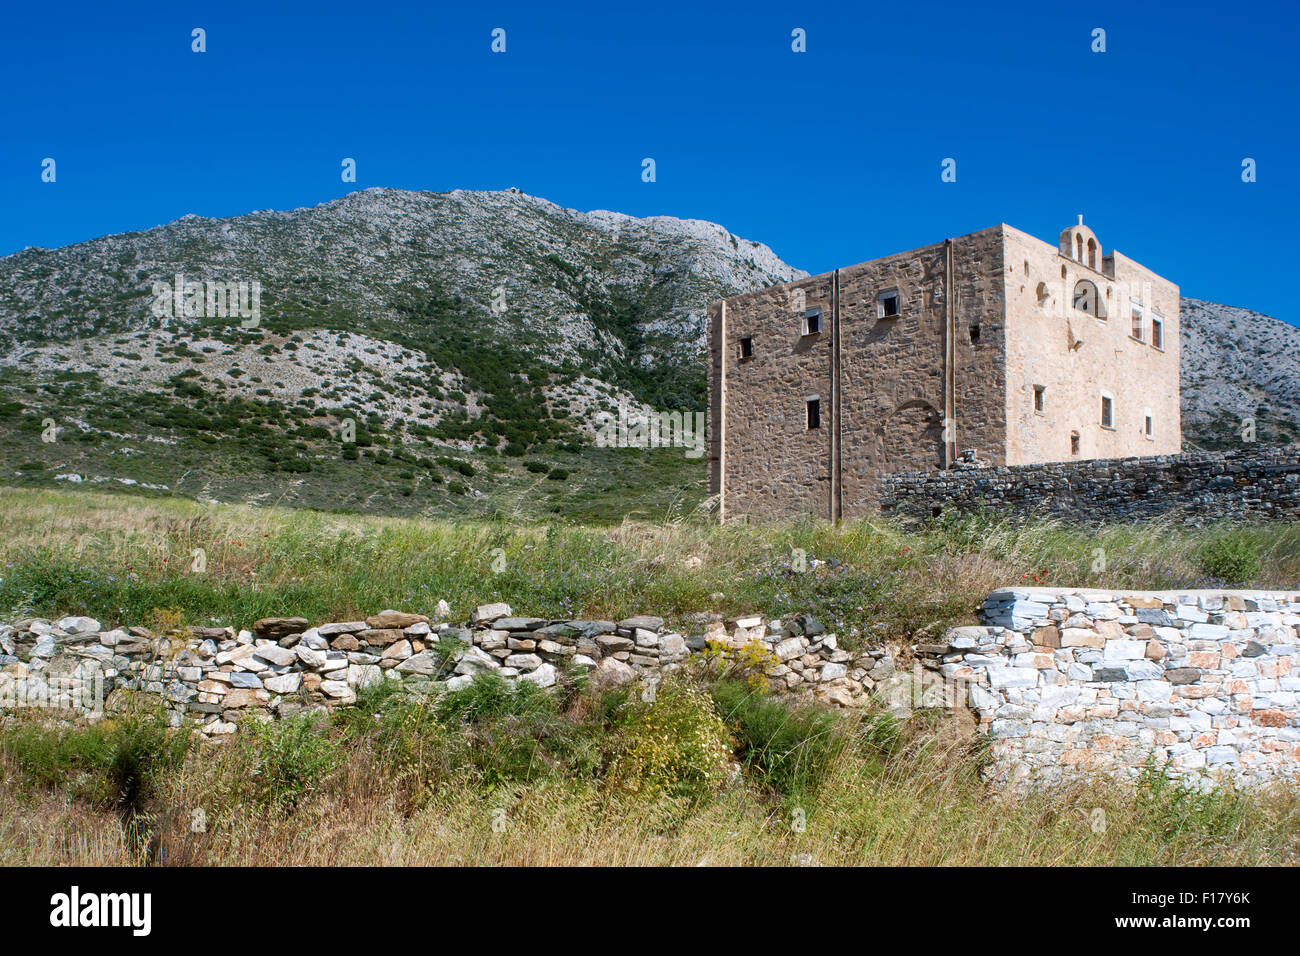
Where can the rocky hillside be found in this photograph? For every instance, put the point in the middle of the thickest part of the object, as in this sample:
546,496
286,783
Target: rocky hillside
1238,364
452,322
502,270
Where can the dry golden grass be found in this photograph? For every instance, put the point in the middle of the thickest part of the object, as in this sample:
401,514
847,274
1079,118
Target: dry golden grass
929,807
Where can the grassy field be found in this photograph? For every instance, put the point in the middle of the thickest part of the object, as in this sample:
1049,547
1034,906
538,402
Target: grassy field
713,771
117,557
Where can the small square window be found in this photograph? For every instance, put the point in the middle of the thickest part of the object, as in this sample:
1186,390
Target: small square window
747,347
814,413
1158,332
1107,411
1040,392
812,322
890,305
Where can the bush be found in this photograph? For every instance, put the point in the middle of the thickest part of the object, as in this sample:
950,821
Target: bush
290,758
115,761
402,732
489,696
1174,808
508,735
789,748
676,746
1230,557
749,663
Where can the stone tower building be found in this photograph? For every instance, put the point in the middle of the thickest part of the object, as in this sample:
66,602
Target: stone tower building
994,344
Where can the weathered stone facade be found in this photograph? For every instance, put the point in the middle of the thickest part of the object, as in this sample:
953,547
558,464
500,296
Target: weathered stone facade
1024,351
1198,486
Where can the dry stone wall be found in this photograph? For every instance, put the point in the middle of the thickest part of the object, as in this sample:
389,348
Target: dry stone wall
1261,483
1204,682
286,666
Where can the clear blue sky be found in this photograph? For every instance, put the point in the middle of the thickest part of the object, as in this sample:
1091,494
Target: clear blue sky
831,156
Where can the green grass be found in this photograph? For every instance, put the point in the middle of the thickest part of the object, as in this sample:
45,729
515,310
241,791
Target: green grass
109,763
118,557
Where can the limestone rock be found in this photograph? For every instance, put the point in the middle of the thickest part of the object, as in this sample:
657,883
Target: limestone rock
610,673
544,675
278,627
486,613
394,619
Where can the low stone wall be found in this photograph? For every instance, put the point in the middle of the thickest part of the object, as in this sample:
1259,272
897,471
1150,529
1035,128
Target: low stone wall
1204,681
1260,483
285,666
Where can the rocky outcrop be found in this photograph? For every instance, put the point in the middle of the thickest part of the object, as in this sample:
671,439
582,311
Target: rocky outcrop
557,283
1237,364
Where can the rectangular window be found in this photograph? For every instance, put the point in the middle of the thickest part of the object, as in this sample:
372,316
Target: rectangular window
1107,411
812,322
1149,429
889,305
1137,324
814,413
747,348
1158,332
1039,398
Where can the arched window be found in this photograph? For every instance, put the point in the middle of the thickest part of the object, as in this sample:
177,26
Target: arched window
1092,254
1087,300
1078,247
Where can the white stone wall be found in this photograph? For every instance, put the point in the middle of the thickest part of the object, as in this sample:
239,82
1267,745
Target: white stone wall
1203,681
